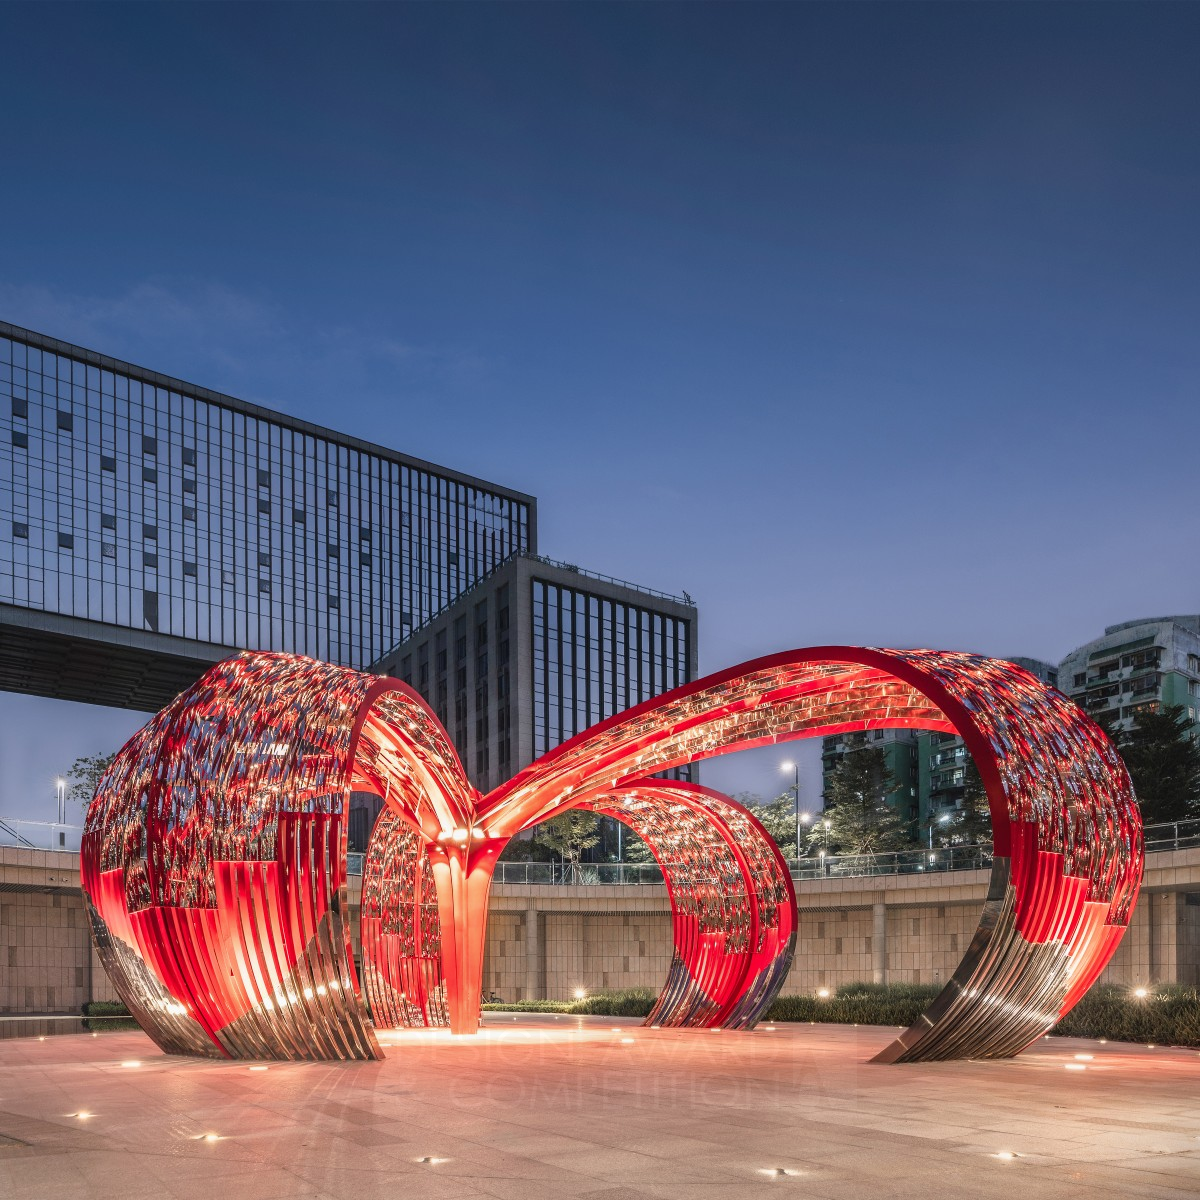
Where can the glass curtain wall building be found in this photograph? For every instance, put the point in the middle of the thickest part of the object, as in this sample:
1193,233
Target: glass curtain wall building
136,501
537,652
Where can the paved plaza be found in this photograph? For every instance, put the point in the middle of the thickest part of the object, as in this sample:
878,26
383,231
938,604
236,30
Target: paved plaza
539,1108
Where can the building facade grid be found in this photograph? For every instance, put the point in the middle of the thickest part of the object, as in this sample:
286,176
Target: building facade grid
144,503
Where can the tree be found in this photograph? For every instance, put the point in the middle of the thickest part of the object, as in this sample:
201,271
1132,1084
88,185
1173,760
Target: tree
84,776
860,820
569,835
974,824
635,849
778,819
1163,758
971,822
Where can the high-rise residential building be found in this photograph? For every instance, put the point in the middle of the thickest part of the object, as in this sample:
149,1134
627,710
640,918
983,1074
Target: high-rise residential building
538,651
929,768
1136,665
900,751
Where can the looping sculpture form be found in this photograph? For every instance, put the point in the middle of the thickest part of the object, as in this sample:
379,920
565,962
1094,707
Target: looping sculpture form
214,853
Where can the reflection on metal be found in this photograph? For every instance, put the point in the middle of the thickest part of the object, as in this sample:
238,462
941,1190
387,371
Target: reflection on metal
1068,852
214,852
733,911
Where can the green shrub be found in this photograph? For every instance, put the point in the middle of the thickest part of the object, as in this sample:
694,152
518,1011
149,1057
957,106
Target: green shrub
1167,1016
858,1004
624,1002
104,1008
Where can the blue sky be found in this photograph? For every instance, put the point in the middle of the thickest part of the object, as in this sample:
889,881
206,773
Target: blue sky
861,323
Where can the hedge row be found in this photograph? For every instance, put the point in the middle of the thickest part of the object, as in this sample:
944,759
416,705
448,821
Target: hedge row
1167,1016
104,1008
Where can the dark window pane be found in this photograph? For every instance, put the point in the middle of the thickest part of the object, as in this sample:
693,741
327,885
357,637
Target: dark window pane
149,445
108,550
333,552
151,561
65,422
149,475
20,408
298,515
334,602
150,532
264,585
66,541
264,560
107,462
189,514
20,440
108,521
20,530
264,507
189,568
189,457
189,485
150,609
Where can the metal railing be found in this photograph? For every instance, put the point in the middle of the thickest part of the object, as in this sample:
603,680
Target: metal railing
40,835
1177,835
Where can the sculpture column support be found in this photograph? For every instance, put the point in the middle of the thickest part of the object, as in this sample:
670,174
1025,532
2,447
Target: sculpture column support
463,873
879,942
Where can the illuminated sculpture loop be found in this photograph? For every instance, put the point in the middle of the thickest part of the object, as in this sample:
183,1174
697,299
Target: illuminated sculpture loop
214,854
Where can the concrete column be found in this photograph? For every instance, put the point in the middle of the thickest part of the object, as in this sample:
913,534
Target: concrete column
533,953
879,942
1161,911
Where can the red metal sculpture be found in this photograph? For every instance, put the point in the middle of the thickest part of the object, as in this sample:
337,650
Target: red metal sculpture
213,859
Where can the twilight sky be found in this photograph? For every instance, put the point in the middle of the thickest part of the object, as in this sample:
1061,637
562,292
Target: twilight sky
869,324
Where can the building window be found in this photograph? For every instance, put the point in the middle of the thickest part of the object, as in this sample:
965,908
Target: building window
20,530
108,550
364,534
264,508
150,533
189,457
298,516
20,440
332,550
149,475
108,463
334,602
264,478
331,498
189,514
20,408
65,422
150,561
189,568
108,521
189,485
264,560
66,541
264,585
149,446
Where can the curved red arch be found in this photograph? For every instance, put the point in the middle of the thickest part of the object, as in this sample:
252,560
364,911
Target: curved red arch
214,852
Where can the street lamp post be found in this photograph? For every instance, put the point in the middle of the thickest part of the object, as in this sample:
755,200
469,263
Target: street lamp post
793,766
60,789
